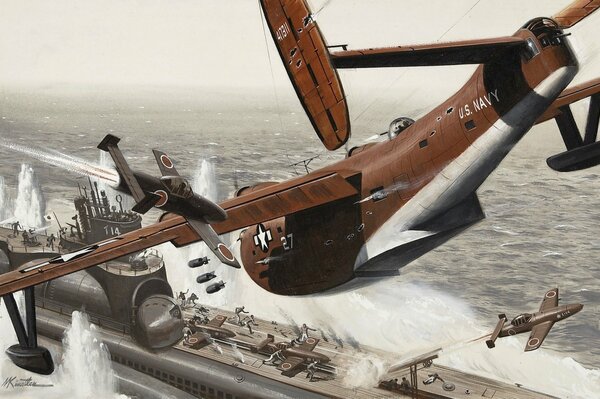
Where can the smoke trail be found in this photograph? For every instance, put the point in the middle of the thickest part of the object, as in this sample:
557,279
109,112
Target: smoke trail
66,162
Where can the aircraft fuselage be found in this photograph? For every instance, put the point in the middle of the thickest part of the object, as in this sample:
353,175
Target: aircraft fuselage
553,314
434,166
195,207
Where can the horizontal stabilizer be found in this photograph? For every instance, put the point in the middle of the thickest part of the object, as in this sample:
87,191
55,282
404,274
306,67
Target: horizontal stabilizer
492,341
149,200
451,53
108,141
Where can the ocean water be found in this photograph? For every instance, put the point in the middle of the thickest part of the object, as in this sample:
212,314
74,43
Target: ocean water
541,228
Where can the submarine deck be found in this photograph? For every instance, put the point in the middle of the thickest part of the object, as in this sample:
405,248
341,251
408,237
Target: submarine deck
344,357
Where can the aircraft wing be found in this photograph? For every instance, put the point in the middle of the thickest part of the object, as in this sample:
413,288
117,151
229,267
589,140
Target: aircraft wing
37,272
291,366
309,344
550,300
575,12
293,196
257,207
538,333
217,321
214,243
569,96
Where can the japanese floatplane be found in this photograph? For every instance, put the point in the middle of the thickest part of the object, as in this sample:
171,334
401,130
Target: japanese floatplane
316,232
538,323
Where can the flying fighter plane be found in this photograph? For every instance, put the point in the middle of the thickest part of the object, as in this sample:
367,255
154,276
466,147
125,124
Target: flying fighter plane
294,359
539,323
315,230
172,193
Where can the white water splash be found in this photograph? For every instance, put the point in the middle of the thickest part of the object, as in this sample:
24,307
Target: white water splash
365,373
30,204
4,201
85,360
64,161
239,356
402,317
83,371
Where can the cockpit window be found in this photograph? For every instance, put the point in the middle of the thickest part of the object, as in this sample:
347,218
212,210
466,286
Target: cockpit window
521,319
531,50
541,26
177,186
546,31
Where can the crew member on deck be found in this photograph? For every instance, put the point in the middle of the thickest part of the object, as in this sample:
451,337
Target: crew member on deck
50,241
15,228
304,333
238,314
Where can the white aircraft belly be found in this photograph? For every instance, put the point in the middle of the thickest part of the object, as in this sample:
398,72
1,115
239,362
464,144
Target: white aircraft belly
469,170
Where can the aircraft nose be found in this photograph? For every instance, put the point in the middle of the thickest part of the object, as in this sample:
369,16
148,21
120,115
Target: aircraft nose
576,308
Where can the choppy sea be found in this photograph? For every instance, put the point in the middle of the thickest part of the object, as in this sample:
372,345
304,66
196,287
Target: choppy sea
542,228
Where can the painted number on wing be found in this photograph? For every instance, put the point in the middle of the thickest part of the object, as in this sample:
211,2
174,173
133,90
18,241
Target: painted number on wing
282,31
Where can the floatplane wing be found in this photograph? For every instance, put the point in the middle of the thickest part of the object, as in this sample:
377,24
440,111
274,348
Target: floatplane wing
537,336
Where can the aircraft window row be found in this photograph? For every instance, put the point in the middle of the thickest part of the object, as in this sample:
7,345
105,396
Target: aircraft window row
423,143
193,388
470,124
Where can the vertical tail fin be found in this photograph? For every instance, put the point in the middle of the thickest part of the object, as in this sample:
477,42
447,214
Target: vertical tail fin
306,58
165,164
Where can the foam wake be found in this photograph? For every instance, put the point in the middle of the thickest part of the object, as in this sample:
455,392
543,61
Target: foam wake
396,315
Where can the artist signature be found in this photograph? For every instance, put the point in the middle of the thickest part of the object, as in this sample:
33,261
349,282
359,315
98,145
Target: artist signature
14,382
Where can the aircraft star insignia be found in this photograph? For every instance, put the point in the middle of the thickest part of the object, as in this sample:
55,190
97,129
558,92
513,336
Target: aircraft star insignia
263,237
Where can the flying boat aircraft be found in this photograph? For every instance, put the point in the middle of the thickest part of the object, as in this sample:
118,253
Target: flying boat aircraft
386,203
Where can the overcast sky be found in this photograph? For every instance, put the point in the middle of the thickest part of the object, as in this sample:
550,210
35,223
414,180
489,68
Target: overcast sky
221,42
